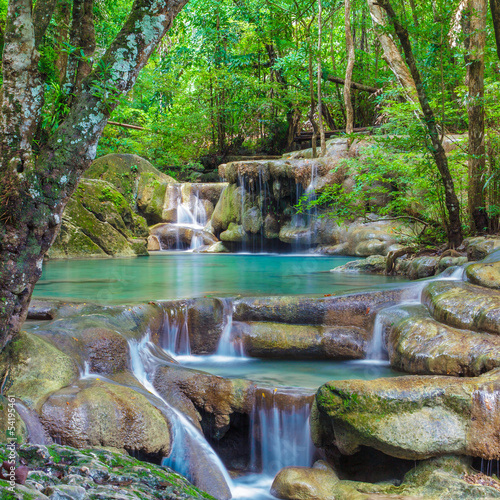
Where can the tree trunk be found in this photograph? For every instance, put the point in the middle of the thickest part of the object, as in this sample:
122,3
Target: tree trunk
348,74
34,191
63,18
312,104
495,13
42,14
391,52
82,37
320,100
454,228
475,109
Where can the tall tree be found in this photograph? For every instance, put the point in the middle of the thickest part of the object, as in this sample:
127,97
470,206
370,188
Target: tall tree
349,111
34,188
454,229
320,100
495,14
476,40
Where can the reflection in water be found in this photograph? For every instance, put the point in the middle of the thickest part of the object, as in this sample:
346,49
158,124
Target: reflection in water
175,275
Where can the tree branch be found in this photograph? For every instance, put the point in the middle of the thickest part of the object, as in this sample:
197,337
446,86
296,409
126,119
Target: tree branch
354,85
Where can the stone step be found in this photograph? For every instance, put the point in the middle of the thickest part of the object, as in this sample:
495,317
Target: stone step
419,344
463,305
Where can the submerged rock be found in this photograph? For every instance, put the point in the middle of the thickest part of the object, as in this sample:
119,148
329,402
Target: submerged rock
411,417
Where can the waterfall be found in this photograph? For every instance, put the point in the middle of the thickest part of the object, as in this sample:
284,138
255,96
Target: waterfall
280,436
227,346
376,350
175,335
189,446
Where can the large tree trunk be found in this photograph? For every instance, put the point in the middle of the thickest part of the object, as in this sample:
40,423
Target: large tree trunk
312,103
349,111
454,228
34,191
392,56
475,109
495,13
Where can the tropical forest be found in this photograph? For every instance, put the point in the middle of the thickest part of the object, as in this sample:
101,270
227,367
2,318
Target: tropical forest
249,250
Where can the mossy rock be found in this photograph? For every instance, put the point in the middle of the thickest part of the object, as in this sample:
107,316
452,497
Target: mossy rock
98,222
36,368
124,172
485,274
412,418
228,209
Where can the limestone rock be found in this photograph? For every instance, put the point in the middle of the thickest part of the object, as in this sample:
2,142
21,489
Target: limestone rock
417,343
485,274
234,234
479,247
411,417
96,413
462,305
36,368
174,235
280,340
303,483
375,264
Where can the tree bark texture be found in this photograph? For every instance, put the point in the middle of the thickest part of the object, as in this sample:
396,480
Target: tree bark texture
392,56
349,111
475,109
454,229
34,191
495,14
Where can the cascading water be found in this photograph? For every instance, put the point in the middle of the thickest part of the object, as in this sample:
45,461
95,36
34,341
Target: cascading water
280,436
228,347
188,443
175,336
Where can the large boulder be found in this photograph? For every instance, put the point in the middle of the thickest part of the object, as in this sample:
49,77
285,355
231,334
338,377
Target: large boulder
417,343
485,274
281,340
98,222
97,413
462,305
172,236
36,368
413,418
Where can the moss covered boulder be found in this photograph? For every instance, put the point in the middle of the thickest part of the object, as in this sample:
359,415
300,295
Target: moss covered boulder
411,417
99,222
485,274
228,209
34,368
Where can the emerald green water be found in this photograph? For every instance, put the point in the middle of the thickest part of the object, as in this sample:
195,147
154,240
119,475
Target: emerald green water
177,275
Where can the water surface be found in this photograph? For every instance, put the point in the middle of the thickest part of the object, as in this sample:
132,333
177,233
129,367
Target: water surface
177,275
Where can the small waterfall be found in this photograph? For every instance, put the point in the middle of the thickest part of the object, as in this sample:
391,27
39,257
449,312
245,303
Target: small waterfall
188,444
490,467
227,346
376,350
280,433
175,334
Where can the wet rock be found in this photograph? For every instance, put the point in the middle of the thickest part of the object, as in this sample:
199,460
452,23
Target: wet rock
303,483
374,264
234,234
422,267
36,368
411,417
218,247
20,432
125,172
107,350
205,325
462,305
355,310
280,340
98,222
271,227
478,248
485,274
209,400
98,474
153,243
97,413
227,210
178,236
447,262
417,343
